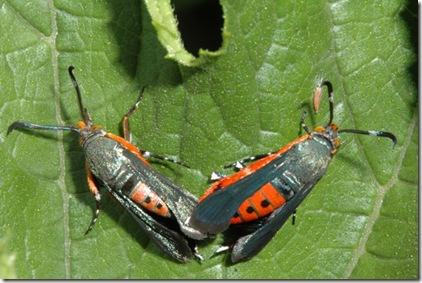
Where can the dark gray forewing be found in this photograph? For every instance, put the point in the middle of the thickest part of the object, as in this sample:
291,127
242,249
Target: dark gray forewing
250,245
172,242
180,202
213,214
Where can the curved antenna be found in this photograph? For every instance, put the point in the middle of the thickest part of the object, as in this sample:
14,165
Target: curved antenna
317,98
84,112
372,133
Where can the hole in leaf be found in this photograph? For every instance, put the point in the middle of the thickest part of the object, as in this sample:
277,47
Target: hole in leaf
200,24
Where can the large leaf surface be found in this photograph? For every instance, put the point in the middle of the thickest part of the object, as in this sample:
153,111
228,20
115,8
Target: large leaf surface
361,220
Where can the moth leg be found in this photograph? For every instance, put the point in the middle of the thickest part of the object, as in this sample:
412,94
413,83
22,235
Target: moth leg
94,189
294,217
239,164
215,176
128,136
126,128
302,122
147,154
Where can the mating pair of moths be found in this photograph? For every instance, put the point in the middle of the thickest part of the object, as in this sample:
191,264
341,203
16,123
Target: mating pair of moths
249,206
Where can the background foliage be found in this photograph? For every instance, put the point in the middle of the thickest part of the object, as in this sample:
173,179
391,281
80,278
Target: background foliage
361,220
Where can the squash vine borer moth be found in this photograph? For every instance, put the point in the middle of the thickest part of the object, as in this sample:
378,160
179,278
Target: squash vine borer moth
254,203
158,205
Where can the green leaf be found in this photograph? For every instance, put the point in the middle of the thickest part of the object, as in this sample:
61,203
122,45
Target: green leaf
7,260
360,220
